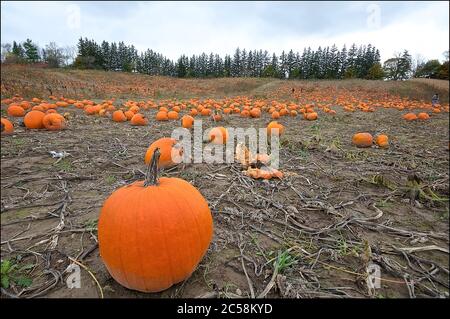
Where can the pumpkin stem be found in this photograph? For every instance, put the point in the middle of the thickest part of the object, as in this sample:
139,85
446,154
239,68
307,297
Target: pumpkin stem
151,178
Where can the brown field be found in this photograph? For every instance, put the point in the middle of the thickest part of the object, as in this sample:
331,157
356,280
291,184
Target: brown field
309,235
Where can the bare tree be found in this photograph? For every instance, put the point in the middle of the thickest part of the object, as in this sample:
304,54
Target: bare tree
69,54
53,55
6,49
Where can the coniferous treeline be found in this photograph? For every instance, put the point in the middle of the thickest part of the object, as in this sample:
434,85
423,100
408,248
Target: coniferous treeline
323,63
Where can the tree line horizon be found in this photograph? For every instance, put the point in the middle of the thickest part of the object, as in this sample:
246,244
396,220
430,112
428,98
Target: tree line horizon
362,61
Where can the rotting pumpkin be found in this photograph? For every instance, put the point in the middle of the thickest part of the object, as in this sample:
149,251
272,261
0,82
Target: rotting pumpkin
136,219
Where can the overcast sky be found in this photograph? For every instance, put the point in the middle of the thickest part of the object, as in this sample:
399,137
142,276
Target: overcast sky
174,28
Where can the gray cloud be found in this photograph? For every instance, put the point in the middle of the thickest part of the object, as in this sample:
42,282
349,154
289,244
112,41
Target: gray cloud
173,28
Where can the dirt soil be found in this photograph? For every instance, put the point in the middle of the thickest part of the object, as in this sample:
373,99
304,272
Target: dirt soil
311,234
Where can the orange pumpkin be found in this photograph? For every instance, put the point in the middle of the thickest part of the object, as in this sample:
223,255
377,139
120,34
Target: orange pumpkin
16,111
423,116
7,126
382,140
187,121
362,139
171,152
162,116
275,115
172,115
90,110
139,120
25,105
436,110
33,120
38,108
255,113
61,103
118,116
129,115
54,122
310,116
410,117
153,233
275,128
218,135
205,112
134,109
245,113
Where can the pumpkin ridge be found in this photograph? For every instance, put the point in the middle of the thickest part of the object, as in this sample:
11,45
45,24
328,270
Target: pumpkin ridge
121,235
138,221
164,234
186,226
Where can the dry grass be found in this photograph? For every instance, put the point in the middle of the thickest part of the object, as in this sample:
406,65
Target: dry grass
38,82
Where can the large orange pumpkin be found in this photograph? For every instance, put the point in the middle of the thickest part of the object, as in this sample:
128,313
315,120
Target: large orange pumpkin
171,152
54,122
7,127
362,139
152,234
33,120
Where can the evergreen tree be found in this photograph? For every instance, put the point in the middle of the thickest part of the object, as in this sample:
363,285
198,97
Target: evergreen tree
31,51
106,54
236,63
18,51
227,66
181,67
375,72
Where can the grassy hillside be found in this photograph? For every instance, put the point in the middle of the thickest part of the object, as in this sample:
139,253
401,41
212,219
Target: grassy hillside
38,82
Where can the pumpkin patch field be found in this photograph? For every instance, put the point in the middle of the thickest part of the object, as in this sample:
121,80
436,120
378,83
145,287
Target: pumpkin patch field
362,185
